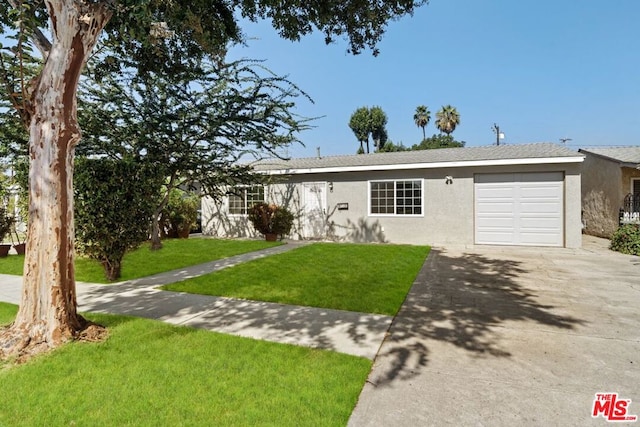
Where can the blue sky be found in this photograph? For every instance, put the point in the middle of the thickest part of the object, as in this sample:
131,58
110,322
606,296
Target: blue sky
542,70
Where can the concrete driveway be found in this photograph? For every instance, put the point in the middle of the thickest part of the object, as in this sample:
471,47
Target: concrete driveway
504,336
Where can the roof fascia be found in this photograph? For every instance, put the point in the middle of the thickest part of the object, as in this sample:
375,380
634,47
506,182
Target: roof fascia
435,165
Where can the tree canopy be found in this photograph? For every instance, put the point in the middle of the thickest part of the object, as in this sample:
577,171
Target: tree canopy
447,119
365,122
157,36
421,118
203,128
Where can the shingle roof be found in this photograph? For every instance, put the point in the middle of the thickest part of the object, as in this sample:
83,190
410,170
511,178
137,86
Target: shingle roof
442,155
619,154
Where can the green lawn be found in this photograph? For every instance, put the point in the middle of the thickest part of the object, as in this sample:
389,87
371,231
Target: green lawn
176,253
149,374
363,278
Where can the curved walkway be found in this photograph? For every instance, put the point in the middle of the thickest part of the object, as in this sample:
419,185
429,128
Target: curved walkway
358,334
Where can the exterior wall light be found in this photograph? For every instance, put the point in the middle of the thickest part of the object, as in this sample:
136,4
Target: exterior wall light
448,179
331,187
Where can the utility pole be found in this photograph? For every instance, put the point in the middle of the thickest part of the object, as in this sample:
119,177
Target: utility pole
499,135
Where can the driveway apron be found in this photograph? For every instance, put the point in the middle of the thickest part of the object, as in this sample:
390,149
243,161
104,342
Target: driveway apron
505,336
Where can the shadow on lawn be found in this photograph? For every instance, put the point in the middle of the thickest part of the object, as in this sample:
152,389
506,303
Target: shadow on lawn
460,301
353,333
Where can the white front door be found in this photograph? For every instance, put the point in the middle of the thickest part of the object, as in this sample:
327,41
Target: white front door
314,220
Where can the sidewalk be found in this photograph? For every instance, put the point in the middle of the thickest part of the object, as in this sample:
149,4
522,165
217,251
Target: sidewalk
358,334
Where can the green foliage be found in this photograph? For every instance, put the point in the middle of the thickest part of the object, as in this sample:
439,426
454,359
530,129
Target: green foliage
378,123
115,200
6,222
359,124
626,239
180,214
421,118
197,127
367,121
447,119
271,219
390,147
438,141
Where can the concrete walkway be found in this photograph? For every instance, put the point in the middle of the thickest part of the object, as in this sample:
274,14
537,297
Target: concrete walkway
358,334
506,336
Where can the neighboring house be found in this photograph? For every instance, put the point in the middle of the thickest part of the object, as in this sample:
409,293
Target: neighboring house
506,195
609,176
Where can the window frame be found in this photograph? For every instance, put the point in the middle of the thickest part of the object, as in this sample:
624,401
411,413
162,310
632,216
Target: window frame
635,182
245,199
395,213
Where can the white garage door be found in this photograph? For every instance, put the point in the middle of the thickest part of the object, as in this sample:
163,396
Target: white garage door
519,209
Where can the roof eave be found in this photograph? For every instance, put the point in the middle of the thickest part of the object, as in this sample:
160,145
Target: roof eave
433,165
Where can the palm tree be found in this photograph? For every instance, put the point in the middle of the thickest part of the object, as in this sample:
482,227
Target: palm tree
447,119
421,118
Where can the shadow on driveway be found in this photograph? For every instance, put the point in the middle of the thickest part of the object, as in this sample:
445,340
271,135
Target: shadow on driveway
460,300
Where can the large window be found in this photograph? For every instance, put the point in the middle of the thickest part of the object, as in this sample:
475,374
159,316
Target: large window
241,199
395,197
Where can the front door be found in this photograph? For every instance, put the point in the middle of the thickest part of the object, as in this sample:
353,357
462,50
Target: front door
315,210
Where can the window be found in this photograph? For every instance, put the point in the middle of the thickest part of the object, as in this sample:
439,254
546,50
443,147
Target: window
635,186
395,197
241,199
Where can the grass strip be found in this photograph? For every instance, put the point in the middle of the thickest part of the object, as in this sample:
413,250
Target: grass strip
148,373
175,254
354,277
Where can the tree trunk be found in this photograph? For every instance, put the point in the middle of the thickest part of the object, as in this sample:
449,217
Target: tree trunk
48,310
156,241
112,269
156,238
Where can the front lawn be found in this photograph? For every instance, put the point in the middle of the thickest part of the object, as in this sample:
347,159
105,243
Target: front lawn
176,253
149,373
363,278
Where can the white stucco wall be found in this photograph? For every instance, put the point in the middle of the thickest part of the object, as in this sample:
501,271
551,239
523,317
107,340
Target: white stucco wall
448,216
601,195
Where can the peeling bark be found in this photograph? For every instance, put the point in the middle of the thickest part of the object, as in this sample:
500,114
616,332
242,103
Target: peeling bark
48,314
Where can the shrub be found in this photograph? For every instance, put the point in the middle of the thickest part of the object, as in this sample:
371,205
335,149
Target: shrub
180,214
626,239
271,219
114,203
6,222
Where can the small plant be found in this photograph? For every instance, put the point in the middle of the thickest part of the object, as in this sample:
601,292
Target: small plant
181,213
626,239
270,219
6,224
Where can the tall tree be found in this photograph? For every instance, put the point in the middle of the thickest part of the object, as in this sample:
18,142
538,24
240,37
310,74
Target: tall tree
361,126
197,127
447,119
154,35
378,127
421,118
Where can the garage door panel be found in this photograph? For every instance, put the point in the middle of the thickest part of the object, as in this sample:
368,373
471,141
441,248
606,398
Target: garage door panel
541,238
497,207
541,207
505,222
498,237
520,209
